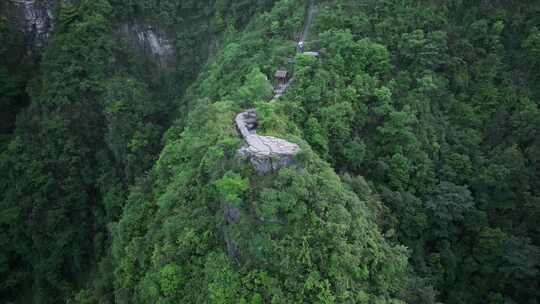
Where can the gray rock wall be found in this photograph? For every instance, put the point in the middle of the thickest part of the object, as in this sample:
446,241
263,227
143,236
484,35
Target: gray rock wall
35,18
150,41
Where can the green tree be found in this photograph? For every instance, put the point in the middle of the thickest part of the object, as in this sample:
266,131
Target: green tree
256,88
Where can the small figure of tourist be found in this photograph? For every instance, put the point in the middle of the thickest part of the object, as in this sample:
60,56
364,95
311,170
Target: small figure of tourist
301,46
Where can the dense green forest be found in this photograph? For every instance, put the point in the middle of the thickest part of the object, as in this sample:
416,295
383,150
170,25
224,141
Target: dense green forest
418,179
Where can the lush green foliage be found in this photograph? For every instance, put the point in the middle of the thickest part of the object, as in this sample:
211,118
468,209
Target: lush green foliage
300,237
418,180
93,128
48,192
14,74
435,104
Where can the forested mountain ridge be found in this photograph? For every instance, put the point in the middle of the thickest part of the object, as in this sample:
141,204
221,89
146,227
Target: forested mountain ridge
417,180
94,125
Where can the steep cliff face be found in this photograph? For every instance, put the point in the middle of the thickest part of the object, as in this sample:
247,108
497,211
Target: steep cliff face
150,41
36,19
32,17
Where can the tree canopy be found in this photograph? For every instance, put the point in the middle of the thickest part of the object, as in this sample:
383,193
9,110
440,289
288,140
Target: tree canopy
417,182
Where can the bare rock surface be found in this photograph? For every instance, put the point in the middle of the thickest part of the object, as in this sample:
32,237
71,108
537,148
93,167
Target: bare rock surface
34,18
266,153
149,40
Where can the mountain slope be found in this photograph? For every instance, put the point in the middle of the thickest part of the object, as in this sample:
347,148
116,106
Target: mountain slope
204,227
417,179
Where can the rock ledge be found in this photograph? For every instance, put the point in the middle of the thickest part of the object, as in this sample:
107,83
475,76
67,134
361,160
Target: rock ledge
266,153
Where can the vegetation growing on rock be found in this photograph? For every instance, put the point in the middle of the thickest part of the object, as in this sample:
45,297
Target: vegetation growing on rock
417,180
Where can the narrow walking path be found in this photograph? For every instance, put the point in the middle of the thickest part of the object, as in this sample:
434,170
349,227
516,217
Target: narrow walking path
280,89
267,153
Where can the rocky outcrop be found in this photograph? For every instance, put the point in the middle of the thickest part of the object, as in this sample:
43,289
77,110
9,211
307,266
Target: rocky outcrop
34,18
266,153
149,40
231,214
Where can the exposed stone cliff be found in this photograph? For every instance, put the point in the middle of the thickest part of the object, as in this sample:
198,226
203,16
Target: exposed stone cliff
149,40
32,17
36,18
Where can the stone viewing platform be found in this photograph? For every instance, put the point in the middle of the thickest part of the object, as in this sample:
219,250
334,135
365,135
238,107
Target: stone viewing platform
266,153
